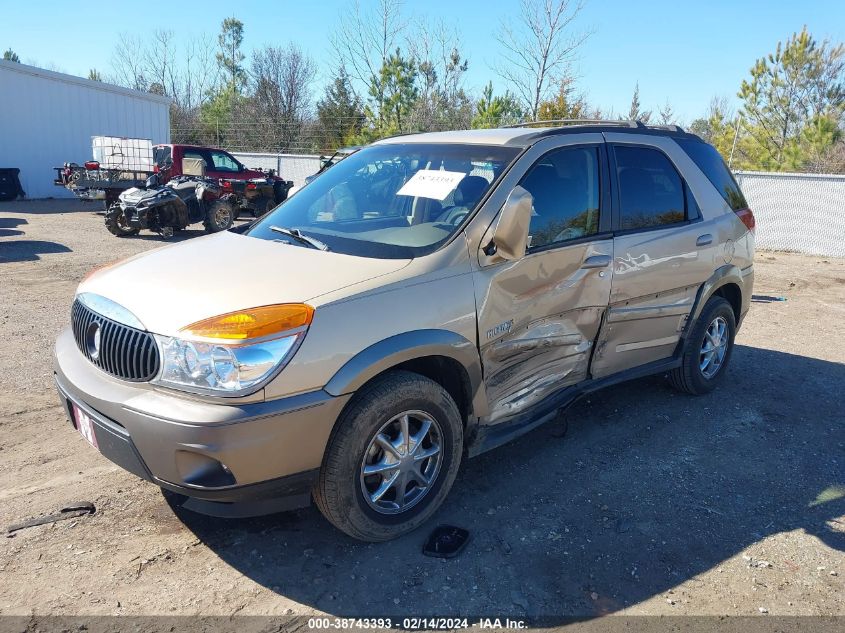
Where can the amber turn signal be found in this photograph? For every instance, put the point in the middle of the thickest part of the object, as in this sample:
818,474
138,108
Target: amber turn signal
253,323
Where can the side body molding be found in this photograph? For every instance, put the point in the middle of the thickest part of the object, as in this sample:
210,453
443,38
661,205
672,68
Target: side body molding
408,346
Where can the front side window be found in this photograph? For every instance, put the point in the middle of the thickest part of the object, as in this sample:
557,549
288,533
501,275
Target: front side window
565,187
399,200
224,162
651,192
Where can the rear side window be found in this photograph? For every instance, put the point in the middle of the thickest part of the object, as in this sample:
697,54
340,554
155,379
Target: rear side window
565,187
192,154
651,192
710,162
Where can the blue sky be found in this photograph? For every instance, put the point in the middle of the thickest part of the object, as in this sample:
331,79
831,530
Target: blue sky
681,51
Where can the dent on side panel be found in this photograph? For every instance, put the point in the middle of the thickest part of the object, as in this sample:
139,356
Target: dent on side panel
643,330
537,360
538,319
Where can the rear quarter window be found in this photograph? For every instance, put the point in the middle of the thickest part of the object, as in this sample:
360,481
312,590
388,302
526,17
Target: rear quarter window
709,161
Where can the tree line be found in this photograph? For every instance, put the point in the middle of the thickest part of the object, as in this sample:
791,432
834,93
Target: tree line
390,75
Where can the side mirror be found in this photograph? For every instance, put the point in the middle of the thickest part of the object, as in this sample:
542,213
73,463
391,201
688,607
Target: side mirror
510,237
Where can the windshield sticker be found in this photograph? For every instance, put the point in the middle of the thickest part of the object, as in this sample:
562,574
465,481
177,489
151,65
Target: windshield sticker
431,183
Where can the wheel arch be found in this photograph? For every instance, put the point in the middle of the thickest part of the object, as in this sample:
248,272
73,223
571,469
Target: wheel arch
446,357
726,282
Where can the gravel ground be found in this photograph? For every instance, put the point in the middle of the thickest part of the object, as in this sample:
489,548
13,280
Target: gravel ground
653,503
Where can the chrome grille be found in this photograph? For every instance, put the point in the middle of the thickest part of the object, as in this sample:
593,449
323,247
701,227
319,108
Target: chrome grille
124,352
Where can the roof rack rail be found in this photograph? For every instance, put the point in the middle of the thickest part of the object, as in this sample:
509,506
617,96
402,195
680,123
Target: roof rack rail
671,127
614,123
562,122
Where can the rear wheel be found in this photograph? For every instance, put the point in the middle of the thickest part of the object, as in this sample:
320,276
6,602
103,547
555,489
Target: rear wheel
708,349
221,216
116,222
261,206
392,458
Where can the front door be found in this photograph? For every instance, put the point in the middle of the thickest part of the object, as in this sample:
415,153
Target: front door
538,317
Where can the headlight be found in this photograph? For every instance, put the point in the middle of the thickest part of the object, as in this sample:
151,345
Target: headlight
232,353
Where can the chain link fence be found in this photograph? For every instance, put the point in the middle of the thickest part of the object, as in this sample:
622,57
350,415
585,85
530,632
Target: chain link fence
802,213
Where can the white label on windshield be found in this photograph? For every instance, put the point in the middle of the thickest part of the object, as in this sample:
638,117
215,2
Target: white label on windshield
431,183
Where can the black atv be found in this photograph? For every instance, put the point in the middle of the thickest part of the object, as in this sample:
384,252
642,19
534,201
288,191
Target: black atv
183,201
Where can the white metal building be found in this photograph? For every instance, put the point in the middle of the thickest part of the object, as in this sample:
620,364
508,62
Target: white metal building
48,118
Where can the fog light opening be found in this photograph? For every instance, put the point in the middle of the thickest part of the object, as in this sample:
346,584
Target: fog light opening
201,470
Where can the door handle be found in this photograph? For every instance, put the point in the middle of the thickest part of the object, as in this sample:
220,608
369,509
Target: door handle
704,240
596,261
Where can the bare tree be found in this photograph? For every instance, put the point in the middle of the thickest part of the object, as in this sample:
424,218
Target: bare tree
128,62
442,101
539,48
364,41
282,81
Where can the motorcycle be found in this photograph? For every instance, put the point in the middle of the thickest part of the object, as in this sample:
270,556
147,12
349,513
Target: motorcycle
183,201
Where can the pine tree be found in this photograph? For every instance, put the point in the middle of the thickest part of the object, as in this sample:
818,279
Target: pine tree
635,113
797,86
340,113
11,56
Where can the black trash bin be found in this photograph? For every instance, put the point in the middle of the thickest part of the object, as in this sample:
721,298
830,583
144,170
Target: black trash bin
10,183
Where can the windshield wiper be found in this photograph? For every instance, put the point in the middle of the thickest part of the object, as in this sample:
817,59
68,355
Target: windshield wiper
300,237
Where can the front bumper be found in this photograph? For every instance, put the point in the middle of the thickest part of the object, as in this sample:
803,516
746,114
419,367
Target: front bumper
271,451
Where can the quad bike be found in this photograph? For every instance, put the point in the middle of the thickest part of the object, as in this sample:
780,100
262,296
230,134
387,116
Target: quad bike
167,208
257,195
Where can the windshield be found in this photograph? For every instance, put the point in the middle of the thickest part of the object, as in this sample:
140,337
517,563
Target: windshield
392,201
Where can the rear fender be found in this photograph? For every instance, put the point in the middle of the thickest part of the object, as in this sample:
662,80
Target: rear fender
724,275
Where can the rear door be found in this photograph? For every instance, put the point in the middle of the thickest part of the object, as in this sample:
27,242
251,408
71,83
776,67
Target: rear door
538,316
663,252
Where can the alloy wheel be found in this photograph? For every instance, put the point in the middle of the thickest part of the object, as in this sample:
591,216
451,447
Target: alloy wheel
714,347
402,462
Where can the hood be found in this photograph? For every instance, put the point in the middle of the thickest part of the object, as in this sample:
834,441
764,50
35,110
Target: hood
177,285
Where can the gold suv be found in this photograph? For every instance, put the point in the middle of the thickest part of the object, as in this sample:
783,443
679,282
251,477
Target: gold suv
426,299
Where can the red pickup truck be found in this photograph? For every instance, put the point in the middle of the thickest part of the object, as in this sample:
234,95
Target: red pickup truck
93,182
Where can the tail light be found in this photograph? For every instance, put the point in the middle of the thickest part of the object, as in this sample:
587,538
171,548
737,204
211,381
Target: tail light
156,168
227,185
251,185
747,218
92,164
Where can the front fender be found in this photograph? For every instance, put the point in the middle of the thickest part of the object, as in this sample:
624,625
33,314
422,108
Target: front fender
407,346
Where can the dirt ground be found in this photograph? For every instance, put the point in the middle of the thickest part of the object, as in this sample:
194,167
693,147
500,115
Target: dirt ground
653,503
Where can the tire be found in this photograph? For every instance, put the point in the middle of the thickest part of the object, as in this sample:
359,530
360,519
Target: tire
379,408
280,193
695,375
220,217
261,206
116,223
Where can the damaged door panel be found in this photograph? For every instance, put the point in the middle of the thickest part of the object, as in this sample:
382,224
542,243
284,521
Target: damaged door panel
641,330
538,316
532,362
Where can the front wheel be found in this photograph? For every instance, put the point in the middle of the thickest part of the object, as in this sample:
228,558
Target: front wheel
220,217
708,349
116,222
392,458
